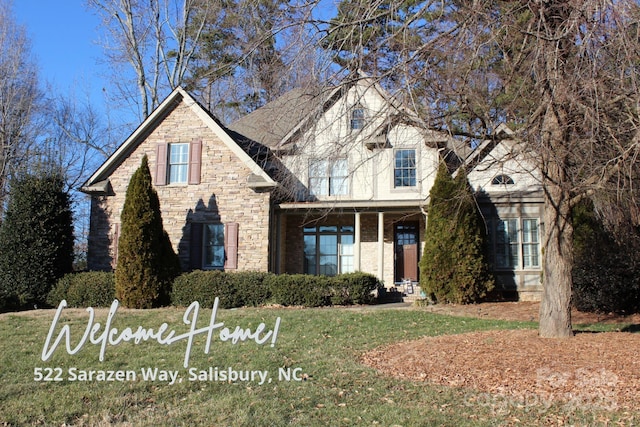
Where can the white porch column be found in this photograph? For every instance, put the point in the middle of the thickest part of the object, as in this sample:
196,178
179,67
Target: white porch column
356,243
381,245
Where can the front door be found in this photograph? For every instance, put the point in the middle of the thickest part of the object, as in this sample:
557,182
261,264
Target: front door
406,251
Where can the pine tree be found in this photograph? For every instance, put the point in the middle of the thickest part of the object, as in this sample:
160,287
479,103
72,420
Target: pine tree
147,263
453,267
36,239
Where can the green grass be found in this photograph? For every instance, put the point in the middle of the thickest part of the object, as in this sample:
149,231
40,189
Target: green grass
325,344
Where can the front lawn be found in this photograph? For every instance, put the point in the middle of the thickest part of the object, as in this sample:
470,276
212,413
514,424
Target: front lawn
318,348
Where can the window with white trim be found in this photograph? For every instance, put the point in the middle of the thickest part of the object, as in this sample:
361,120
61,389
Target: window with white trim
178,163
514,243
329,177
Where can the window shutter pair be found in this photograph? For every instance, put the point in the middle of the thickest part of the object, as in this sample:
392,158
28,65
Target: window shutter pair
162,160
230,246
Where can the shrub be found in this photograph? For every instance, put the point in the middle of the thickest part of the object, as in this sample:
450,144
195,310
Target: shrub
299,289
354,288
605,272
36,239
147,263
453,267
251,287
234,289
204,287
89,289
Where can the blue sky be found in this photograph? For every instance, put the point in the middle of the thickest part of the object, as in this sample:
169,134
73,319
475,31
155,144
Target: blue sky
64,36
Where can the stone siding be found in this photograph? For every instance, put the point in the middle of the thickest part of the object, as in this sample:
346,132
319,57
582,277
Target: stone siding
222,195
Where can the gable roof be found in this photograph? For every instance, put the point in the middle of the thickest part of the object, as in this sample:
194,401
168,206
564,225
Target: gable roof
277,124
98,182
269,124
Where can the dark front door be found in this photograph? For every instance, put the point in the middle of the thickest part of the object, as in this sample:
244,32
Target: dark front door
406,251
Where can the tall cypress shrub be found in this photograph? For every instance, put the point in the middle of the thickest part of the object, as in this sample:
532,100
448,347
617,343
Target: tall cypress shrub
36,238
147,263
453,266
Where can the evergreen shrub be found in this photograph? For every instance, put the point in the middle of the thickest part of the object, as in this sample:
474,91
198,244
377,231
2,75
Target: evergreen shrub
354,288
204,286
606,272
251,287
36,239
300,289
86,289
147,263
453,267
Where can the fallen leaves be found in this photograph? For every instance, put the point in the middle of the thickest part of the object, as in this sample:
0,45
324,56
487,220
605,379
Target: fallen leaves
595,370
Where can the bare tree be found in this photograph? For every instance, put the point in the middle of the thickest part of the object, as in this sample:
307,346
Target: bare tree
561,73
18,96
151,37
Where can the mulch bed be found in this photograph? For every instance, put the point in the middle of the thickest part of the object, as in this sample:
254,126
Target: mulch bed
595,370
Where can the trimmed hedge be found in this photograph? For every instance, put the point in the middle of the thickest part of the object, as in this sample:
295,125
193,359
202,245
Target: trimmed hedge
88,289
204,287
354,288
237,289
300,289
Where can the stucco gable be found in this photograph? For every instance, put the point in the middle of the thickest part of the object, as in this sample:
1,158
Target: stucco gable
98,182
503,159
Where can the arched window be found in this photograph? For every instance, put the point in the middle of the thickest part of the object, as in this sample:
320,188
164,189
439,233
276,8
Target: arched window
502,180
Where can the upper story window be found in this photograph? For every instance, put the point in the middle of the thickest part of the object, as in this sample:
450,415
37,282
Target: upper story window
404,171
502,180
178,163
329,177
356,121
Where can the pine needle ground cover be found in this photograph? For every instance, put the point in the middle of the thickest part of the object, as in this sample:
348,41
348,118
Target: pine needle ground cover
322,350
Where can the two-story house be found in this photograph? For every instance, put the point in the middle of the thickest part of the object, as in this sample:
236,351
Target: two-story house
318,182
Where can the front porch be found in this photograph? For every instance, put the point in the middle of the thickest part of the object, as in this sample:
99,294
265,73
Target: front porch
332,240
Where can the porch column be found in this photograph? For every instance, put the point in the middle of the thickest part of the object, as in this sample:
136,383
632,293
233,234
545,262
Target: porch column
381,245
356,243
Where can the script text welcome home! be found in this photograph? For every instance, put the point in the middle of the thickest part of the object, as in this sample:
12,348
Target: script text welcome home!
97,335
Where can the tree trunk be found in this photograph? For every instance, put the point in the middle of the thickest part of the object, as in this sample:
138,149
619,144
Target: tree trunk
555,308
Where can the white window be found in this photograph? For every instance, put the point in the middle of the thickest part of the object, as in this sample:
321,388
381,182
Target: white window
515,243
502,180
178,163
329,177
404,171
357,118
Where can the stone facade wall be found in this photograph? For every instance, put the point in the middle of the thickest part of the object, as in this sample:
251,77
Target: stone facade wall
222,195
